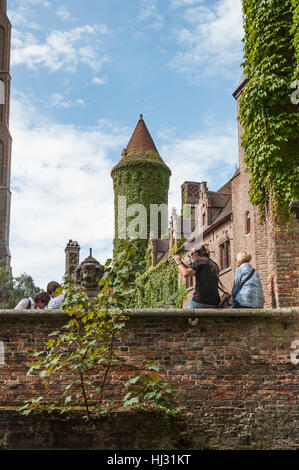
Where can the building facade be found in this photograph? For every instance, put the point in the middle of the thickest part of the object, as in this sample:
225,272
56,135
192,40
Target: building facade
230,224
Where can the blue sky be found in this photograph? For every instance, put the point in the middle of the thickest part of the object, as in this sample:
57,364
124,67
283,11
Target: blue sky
82,72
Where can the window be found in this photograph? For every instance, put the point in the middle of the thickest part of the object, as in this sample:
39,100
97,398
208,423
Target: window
225,255
204,219
247,222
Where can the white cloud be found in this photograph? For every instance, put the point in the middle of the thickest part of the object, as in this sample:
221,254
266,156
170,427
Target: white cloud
207,156
99,81
150,15
61,49
59,101
61,189
211,41
179,3
63,13
21,12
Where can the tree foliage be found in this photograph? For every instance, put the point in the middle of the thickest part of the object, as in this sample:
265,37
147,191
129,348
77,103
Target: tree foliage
13,289
270,120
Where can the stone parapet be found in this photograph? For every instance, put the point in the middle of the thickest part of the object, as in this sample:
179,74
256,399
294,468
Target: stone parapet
236,371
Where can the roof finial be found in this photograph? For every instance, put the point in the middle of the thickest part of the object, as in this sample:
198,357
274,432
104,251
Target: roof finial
141,117
90,251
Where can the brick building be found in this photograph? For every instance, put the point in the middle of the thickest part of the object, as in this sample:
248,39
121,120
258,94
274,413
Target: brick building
5,138
230,224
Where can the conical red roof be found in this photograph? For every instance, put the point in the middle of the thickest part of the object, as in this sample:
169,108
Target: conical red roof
141,139
140,148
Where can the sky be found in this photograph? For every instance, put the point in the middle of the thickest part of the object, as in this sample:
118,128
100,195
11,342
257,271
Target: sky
82,73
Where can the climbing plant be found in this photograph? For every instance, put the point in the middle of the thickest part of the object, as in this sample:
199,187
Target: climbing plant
158,286
269,118
295,33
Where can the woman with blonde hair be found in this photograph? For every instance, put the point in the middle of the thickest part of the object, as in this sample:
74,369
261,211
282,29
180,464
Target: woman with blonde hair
247,291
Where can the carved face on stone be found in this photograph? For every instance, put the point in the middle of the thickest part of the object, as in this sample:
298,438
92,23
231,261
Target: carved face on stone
89,272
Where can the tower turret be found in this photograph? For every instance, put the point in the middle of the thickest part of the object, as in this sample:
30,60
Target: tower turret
5,138
140,179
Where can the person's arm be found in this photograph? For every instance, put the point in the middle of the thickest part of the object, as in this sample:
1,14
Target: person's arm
184,270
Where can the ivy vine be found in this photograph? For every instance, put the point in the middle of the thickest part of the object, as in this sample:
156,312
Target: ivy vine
142,179
158,286
269,119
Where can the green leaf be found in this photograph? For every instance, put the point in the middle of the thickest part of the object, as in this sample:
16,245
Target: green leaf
130,402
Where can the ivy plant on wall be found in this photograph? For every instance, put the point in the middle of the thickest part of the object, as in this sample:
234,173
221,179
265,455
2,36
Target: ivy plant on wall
158,287
269,118
142,179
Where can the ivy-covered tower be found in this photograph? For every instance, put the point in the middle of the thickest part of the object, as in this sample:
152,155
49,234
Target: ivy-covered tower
141,178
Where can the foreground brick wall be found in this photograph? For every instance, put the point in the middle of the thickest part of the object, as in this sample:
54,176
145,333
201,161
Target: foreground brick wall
237,383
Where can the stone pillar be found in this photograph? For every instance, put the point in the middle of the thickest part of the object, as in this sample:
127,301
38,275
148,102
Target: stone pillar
72,258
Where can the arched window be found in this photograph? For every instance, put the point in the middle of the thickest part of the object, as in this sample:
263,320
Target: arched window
247,222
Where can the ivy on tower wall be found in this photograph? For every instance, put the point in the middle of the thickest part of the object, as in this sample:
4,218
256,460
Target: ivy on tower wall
142,179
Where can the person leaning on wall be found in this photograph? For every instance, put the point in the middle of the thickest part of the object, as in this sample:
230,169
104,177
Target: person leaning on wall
247,290
40,301
56,300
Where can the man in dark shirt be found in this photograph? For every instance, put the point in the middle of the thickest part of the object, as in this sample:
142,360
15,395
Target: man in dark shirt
206,274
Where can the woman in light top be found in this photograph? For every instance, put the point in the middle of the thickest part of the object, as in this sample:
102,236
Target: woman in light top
40,301
251,293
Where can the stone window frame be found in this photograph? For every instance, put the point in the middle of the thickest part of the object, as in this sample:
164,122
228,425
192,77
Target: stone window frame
225,260
247,222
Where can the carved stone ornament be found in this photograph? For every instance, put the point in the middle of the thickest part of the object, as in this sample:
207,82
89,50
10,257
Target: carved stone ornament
89,272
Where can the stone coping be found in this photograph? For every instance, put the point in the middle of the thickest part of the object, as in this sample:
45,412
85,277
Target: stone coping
46,316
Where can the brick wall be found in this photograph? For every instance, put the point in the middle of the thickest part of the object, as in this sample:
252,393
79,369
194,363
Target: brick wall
275,251
254,242
237,383
283,255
